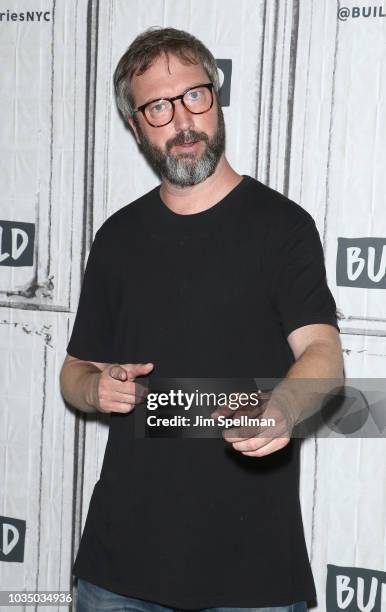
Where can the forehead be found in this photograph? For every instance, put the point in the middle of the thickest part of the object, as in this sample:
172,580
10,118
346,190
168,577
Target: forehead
167,76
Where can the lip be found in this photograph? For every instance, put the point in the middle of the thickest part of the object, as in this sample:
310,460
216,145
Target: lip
188,146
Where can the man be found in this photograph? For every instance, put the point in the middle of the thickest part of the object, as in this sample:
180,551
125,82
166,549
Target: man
211,274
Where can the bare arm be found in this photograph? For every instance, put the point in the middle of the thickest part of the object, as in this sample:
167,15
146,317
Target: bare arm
91,386
78,379
319,366
317,370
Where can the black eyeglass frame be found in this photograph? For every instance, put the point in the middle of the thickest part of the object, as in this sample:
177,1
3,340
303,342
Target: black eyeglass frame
142,108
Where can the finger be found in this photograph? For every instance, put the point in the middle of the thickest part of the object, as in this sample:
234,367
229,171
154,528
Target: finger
233,434
251,444
129,387
137,369
140,391
237,434
269,448
122,398
226,411
248,410
249,428
111,406
222,411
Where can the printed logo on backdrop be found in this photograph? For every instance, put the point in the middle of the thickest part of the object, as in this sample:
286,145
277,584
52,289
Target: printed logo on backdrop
354,589
225,74
16,243
12,538
361,262
25,16
345,12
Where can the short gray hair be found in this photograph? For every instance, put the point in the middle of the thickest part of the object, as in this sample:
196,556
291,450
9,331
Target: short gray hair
149,45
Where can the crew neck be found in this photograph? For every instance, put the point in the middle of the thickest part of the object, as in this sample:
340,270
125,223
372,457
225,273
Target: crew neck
203,215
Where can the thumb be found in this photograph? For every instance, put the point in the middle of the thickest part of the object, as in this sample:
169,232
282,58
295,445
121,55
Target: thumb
224,411
117,372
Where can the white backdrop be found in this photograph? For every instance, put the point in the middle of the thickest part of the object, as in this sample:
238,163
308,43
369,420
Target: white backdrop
307,116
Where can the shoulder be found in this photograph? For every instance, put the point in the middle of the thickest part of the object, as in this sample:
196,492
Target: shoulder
274,208
125,219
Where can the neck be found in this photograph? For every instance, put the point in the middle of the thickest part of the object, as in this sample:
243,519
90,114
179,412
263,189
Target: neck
188,200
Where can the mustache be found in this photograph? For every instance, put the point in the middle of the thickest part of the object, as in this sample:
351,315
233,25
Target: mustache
184,137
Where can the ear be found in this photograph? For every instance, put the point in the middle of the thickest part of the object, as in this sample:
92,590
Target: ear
133,126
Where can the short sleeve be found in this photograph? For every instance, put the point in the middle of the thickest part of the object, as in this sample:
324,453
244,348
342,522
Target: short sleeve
91,337
300,290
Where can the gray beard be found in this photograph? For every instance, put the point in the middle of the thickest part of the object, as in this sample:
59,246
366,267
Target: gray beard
185,170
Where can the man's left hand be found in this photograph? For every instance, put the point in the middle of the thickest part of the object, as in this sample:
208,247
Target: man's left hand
258,441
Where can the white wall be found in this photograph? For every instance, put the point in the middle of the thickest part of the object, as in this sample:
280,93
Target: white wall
306,116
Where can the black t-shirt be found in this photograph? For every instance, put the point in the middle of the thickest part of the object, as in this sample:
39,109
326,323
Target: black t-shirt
193,523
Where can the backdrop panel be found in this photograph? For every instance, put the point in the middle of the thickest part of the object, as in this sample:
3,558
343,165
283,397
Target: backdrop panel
303,94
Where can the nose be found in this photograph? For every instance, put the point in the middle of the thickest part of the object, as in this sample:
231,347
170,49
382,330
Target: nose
183,119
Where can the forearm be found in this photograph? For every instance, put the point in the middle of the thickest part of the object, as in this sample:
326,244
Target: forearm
315,374
77,383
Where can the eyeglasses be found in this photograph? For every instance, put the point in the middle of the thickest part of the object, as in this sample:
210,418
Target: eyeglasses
160,112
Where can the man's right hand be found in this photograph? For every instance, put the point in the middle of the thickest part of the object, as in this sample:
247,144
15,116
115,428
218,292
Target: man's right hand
114,389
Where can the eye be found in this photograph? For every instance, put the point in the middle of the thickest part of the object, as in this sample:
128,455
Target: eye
194,95
156,108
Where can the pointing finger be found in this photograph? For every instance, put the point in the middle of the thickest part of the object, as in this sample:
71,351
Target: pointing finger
137,369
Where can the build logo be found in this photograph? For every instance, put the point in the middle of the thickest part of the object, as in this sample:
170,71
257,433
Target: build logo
12,538
354,589
361,262
16,243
